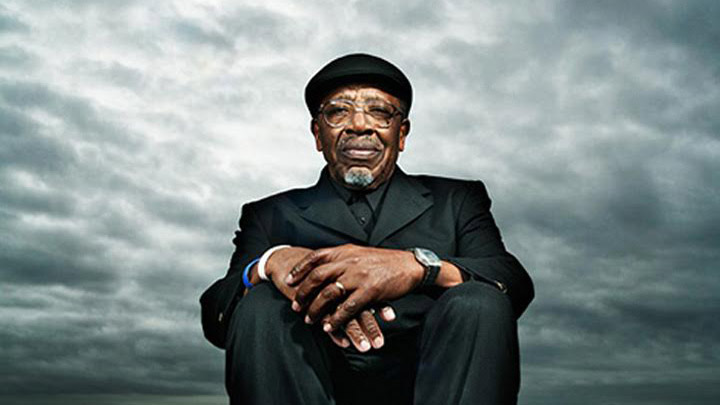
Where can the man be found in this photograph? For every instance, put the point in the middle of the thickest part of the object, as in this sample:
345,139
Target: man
372,286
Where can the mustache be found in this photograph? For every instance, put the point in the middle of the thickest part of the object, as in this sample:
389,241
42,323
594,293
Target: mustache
363,142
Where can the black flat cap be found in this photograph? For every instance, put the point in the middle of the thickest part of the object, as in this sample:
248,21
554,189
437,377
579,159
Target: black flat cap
357,68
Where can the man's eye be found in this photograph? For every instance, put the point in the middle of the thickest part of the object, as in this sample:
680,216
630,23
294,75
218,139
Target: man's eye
380,112
337,111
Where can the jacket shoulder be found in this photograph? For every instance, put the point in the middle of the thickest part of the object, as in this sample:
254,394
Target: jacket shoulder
296,195
454,190
440,183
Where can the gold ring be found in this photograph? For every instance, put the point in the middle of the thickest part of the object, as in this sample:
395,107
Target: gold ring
341,287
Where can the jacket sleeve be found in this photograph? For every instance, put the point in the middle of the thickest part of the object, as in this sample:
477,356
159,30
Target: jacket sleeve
220,299
481,252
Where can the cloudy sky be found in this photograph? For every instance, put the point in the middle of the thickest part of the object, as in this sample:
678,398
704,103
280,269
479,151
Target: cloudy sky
131,132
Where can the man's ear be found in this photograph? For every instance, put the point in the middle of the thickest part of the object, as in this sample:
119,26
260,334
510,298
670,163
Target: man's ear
404,132
315,129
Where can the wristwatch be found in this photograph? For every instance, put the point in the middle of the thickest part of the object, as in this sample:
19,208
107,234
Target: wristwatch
431,262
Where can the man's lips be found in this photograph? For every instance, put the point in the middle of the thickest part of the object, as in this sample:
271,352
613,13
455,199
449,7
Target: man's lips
359,148
360,153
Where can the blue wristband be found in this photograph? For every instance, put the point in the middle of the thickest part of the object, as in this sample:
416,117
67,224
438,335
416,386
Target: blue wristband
246,280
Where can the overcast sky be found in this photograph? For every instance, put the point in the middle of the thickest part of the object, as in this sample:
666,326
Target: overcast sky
131,132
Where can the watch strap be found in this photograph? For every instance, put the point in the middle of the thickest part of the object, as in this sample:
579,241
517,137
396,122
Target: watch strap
431,274
431,265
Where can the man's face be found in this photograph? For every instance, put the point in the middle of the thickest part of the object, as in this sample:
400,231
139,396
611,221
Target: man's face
361,154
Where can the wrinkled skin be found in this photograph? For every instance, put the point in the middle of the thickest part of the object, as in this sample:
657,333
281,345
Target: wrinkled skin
362,330
369,275
359,144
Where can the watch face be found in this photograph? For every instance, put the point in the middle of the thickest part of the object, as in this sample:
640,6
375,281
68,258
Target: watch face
427,257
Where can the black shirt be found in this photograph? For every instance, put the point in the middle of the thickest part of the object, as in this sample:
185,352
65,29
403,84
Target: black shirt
364,205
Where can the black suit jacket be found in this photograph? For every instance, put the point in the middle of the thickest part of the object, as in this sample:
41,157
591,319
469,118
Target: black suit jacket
448,216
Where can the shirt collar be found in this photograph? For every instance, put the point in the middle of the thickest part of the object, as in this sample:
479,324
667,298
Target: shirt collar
374,197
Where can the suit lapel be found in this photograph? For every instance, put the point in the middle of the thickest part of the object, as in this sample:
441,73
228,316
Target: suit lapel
406,199
324,207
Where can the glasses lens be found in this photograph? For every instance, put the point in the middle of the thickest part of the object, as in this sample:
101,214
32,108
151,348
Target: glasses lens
337,112
340,112
381,113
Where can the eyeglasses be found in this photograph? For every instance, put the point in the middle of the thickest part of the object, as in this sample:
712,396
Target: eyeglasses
338,113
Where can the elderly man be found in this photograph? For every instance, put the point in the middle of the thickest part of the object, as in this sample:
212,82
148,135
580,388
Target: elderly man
372,286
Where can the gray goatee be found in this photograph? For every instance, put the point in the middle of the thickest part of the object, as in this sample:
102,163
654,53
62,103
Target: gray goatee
359,177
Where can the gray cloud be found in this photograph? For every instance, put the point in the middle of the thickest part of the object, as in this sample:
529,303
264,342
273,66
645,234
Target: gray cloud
79,114
114,73
688,26
16,57
188,31
9,23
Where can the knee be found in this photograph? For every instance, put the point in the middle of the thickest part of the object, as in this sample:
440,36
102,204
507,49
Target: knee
475,300
264,311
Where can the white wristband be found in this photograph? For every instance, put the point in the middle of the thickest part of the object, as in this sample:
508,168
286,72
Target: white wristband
264,258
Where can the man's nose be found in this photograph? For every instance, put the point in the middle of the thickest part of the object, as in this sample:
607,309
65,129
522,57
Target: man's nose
359,122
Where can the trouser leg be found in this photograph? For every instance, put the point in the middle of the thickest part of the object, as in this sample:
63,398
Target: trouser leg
469,349
273,357
382,376
385,376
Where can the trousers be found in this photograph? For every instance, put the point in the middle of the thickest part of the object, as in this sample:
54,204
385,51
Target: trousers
457,346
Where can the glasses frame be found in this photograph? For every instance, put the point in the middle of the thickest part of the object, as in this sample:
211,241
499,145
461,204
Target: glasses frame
358,108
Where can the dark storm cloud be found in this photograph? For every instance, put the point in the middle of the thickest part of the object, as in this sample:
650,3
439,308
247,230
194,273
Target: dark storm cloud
16,57
25,147
54,257
115,73
78,113
77,217
11,24
189,31
416,14
690,26
262,27
119,357
265,27
241,28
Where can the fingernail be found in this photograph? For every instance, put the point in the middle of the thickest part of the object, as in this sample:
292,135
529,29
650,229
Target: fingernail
288,279
389,313
295,306
364,345
327,327
378,342
308,320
